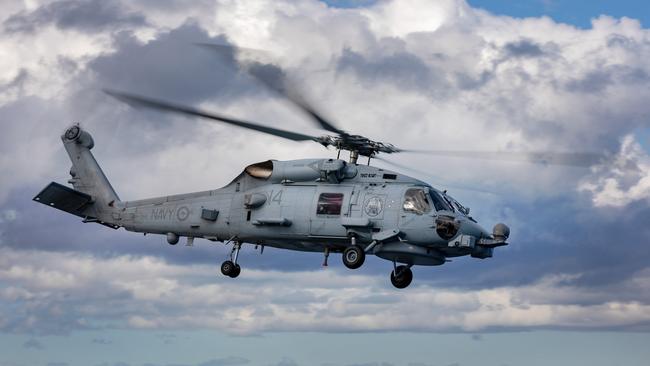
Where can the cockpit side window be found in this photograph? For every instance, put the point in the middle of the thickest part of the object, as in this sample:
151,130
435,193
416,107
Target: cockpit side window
439,203
416,201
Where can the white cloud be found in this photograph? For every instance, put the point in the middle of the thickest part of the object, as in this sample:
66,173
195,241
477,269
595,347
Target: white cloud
419,74
149,293
450,76
625,180
399,18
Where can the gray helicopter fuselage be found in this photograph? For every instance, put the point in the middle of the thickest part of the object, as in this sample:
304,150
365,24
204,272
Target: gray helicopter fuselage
309,205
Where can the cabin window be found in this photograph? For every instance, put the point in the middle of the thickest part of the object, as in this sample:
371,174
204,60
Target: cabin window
416,201
329,204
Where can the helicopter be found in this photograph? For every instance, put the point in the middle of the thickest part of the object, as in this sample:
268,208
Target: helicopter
326,205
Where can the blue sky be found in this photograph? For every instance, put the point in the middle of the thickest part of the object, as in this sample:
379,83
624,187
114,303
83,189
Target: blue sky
572,288
578,12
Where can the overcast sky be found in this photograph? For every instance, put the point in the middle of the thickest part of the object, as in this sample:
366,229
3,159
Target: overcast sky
573,286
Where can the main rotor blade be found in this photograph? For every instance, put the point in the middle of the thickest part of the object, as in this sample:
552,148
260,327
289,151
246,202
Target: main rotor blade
137,100
301,103
275,79
577,159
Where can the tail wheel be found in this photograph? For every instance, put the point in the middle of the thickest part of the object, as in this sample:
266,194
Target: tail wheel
353,257
403,278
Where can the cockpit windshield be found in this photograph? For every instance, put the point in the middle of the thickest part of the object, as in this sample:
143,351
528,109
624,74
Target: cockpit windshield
455,204
438,202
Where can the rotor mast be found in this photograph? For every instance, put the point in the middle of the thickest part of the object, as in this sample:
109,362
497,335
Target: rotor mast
354,156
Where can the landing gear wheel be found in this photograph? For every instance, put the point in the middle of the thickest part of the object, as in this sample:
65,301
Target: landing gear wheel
236,272
404,277
228,268
353,257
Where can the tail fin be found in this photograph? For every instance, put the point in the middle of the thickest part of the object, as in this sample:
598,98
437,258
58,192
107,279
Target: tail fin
93,196
87,176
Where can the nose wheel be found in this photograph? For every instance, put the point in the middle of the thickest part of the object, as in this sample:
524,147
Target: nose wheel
401,276
230,267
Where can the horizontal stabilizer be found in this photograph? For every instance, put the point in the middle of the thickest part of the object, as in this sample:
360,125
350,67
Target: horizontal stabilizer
64,198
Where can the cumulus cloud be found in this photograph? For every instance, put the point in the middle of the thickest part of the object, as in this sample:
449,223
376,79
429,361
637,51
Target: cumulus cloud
171,67
84,16
626,180
60,292
419,74
507,84
15,86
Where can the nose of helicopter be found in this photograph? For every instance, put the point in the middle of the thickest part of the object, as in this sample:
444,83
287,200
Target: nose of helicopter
500,232
481,242
471,228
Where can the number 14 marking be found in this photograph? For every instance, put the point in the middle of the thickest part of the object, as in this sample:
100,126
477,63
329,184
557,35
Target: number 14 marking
278,197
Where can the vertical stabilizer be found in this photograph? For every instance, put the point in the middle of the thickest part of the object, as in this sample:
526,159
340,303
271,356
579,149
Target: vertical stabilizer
87,176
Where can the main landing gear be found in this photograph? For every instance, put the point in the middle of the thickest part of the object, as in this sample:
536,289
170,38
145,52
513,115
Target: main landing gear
230,267
401,276
354,256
